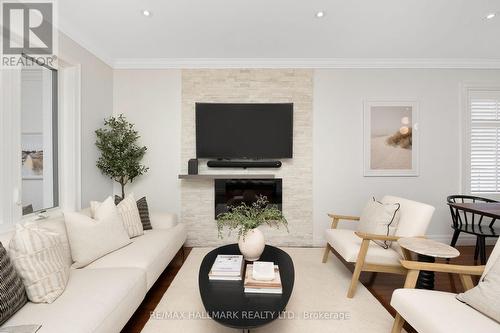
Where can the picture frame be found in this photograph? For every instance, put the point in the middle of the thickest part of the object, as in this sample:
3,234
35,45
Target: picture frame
391,138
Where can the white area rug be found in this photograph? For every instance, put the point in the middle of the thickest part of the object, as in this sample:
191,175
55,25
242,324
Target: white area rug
320,289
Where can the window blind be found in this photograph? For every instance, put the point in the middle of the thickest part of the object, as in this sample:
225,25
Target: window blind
485,142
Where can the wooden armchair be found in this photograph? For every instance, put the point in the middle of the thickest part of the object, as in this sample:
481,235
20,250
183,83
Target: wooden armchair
356,247
436,311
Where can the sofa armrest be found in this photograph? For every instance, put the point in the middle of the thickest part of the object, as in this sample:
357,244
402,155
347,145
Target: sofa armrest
163,220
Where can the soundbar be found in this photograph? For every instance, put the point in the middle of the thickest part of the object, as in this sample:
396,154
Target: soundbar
243,164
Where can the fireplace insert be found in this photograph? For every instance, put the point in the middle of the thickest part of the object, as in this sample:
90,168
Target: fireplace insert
233,192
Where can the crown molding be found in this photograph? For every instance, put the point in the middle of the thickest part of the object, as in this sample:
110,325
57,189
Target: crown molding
90,47
315,63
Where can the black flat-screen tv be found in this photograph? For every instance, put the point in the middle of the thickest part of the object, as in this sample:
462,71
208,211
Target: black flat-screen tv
244,131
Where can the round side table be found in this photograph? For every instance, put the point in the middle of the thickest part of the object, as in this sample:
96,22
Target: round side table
427,251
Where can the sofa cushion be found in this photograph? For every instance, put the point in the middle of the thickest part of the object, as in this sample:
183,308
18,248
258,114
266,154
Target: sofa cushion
485,296
495,254
347,244
163,220
12,291
431,311
130,216
95,300
142,206
55,224
151,252
90,238
38,256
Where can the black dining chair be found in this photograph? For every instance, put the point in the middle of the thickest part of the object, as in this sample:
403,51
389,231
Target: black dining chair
471,223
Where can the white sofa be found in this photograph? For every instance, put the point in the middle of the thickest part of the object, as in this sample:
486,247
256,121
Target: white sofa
103,296
429,311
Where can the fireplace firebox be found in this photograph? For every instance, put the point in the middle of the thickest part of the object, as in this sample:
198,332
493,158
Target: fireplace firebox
232,192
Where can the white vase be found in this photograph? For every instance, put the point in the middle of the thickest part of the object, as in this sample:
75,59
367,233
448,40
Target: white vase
252,245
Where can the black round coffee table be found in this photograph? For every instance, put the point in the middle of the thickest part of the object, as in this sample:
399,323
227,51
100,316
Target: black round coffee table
228,304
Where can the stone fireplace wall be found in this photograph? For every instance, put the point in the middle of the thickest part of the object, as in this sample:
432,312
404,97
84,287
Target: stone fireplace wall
250,86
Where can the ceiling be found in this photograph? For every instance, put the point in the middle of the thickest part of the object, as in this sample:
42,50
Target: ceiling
118,32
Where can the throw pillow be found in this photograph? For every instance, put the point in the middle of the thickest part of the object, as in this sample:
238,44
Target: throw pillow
484,297
130,216
12,291
142,205
92,238
38,255
379,219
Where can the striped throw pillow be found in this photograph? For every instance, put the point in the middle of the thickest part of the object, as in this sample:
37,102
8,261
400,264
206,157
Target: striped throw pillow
142,205
38,256
129,213
12,291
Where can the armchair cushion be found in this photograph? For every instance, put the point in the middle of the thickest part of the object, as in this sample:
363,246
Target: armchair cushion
379,219
347,244
414,216
429,311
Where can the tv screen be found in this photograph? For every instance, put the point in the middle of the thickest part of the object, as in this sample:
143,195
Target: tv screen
244,131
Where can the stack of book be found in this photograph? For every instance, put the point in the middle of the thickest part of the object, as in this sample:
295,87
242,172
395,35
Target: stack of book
227,267
262,286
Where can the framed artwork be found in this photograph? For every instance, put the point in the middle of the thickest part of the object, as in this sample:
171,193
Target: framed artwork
32,156
391,138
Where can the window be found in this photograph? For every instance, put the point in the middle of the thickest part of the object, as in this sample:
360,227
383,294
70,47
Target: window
483,141
39,144
29,172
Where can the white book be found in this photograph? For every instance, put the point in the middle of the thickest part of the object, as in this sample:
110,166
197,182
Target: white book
264,290
263,271
227,265
223,278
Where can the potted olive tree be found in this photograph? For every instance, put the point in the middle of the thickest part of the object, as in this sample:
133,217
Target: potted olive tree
246,219
121,156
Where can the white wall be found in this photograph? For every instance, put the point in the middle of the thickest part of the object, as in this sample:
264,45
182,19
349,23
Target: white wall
96,104
339,185
151,99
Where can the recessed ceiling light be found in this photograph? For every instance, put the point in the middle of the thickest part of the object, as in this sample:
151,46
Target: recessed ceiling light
490,16
146,13
320,14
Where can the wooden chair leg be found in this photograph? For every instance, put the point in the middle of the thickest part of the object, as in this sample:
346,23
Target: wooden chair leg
476,249
358,268
482,251
454,239
398,324
328,248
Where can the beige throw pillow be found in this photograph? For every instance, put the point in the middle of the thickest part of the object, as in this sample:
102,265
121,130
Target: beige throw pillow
485,297
92,238
379,219
130,216
38,256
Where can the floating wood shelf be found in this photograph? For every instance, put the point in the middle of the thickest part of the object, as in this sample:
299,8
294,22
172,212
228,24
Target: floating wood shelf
226,176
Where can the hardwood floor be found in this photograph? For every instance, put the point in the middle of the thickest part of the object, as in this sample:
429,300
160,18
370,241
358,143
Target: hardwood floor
379,284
